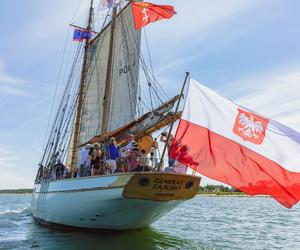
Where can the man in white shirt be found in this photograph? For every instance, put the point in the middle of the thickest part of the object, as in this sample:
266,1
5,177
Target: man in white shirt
129,146
84,159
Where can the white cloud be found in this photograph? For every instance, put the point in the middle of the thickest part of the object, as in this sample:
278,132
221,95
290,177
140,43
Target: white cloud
14,180
200,29
10,85
16,168
50,20
8,164
196,20
6,157
5,78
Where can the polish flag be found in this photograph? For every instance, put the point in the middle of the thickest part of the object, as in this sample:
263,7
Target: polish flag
234,145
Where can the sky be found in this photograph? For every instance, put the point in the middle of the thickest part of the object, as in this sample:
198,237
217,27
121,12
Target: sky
246,50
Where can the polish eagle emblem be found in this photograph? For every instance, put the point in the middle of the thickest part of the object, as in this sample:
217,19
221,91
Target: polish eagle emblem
250,127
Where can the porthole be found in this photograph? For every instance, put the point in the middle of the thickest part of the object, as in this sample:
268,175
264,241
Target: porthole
144,181
189,185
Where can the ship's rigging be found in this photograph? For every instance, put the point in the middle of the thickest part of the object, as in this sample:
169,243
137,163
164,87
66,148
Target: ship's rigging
144,92
110,92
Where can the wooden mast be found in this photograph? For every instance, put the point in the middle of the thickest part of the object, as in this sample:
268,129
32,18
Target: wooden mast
107,93
81,94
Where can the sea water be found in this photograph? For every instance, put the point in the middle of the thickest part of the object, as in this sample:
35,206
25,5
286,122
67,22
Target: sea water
201,223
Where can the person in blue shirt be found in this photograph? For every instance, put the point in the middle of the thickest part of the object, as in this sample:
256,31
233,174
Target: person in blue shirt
113,155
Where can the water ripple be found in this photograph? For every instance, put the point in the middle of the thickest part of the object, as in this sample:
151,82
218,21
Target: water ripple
201,223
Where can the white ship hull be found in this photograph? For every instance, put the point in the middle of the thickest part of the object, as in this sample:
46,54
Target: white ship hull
110,202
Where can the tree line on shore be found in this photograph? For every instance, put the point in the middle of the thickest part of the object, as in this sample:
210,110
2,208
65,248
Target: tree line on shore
209,188
16,191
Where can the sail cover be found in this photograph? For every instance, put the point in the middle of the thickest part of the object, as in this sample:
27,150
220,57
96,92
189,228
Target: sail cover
124,84
144,125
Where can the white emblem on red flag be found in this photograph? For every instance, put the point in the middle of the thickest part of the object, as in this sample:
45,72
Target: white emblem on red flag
250,127
145,14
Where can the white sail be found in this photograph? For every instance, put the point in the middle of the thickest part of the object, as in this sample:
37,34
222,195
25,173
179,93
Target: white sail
124,77
125,72
91,117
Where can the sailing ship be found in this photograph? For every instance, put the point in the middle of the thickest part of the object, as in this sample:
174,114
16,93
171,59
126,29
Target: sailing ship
106,101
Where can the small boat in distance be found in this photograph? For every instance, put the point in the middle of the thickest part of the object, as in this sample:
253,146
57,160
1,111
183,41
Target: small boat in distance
106,99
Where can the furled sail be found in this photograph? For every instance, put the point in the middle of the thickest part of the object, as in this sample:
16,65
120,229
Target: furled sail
124,84
144,125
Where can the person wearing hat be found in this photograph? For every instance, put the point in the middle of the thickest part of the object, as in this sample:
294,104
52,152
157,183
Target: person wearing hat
132,158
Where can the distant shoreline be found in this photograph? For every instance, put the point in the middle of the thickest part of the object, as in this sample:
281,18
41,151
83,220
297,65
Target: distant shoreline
16,191
229,194
221,193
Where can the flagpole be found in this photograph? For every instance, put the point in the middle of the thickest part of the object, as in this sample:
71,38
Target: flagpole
75,26
174,119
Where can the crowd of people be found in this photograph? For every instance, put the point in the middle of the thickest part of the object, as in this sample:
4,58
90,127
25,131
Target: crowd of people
103,159
97,160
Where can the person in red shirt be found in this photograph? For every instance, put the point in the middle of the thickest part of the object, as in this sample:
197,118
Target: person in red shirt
132,158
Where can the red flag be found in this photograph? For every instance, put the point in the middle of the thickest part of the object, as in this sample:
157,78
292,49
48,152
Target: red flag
144,13
228,143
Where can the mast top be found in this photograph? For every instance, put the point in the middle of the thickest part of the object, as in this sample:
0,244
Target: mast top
91,12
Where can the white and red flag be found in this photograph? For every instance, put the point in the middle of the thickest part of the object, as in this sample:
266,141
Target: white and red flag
231,144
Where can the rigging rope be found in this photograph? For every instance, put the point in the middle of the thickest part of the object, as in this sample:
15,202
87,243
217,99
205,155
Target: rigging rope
61,132
58,78
60,112
148,50
57,82
148,74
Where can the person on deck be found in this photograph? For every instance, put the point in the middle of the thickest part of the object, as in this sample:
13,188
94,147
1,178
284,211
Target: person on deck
163,138
131,141
59,169
144,161
84,159
95,159
132,158
183,156
113,154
